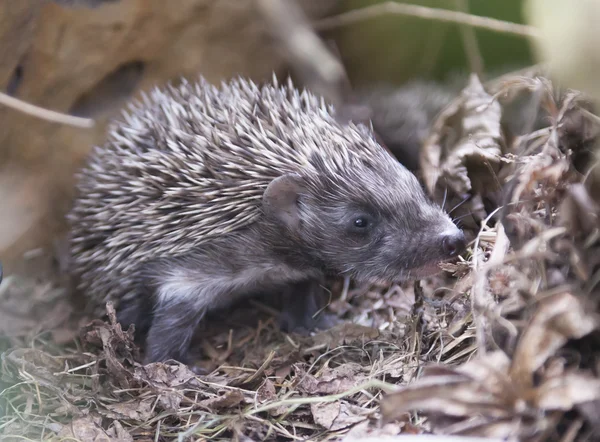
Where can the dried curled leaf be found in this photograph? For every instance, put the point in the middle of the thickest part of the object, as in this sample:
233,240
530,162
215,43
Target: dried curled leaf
86,428
165,376
579,212
566,391
337,415
119,350
505,393
461,392
230,399
557,319
331,380
346,333
463,151
139,410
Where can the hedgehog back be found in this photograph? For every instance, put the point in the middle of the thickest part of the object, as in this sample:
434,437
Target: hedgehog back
190,163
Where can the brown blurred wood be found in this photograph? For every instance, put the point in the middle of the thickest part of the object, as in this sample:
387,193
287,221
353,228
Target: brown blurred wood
90,61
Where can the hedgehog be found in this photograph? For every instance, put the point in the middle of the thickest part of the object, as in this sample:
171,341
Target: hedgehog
205,194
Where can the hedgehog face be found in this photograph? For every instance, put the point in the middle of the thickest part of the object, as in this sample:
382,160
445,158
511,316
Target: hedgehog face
372,223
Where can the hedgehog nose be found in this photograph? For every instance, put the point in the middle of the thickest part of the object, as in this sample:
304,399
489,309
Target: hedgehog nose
454,243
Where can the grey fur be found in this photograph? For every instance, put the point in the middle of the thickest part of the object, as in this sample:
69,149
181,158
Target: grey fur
203,195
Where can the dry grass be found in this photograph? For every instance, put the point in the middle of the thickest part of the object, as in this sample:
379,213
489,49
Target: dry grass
503,344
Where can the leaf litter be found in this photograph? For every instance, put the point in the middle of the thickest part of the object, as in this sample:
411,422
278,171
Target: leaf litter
504,343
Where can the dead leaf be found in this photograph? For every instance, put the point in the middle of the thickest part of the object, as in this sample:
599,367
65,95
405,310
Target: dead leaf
578,132
591,412
337,415
138,410
346,333
170,400
165,376
37,363
556,320
578,211
266,392
365,430
567,390
230,399
463,151
117,432
119,350
331,381
85,429
478,387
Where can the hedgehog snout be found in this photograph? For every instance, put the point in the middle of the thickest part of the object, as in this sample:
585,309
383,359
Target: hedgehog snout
453,243
443,239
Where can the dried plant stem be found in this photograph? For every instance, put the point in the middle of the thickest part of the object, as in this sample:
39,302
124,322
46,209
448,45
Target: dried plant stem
317,66
470,41
373,383
444,15
433,48
44,114
482,302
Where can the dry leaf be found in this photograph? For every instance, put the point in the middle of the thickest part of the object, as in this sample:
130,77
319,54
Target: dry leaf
86,429
119,350
117,432
266,392
565,391
466,154
364,431
170,401
139,410
557,319
331,381
346,333
336,415
230,399
165,376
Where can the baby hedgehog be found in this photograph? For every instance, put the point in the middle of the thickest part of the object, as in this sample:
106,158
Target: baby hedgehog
204,194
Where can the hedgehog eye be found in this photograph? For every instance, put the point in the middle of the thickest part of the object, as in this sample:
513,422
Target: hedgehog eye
361,222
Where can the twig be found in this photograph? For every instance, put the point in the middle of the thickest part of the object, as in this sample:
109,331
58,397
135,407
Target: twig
373,383
482,303
444,15
320,70
592,117
470,41
45,114
433,48
261,369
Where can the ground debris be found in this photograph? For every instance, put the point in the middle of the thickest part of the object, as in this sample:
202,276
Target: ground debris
534,291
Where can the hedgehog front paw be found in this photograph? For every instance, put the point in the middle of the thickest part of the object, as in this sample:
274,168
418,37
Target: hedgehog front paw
303,309
289,322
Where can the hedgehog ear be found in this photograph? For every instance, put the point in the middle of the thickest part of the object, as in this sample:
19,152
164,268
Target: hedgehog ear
280,200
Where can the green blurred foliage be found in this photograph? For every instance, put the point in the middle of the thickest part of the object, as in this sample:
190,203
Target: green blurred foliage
396,48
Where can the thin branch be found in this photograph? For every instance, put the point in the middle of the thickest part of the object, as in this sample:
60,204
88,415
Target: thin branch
482,302
433,48
319,69
44,114
470,41
444,15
